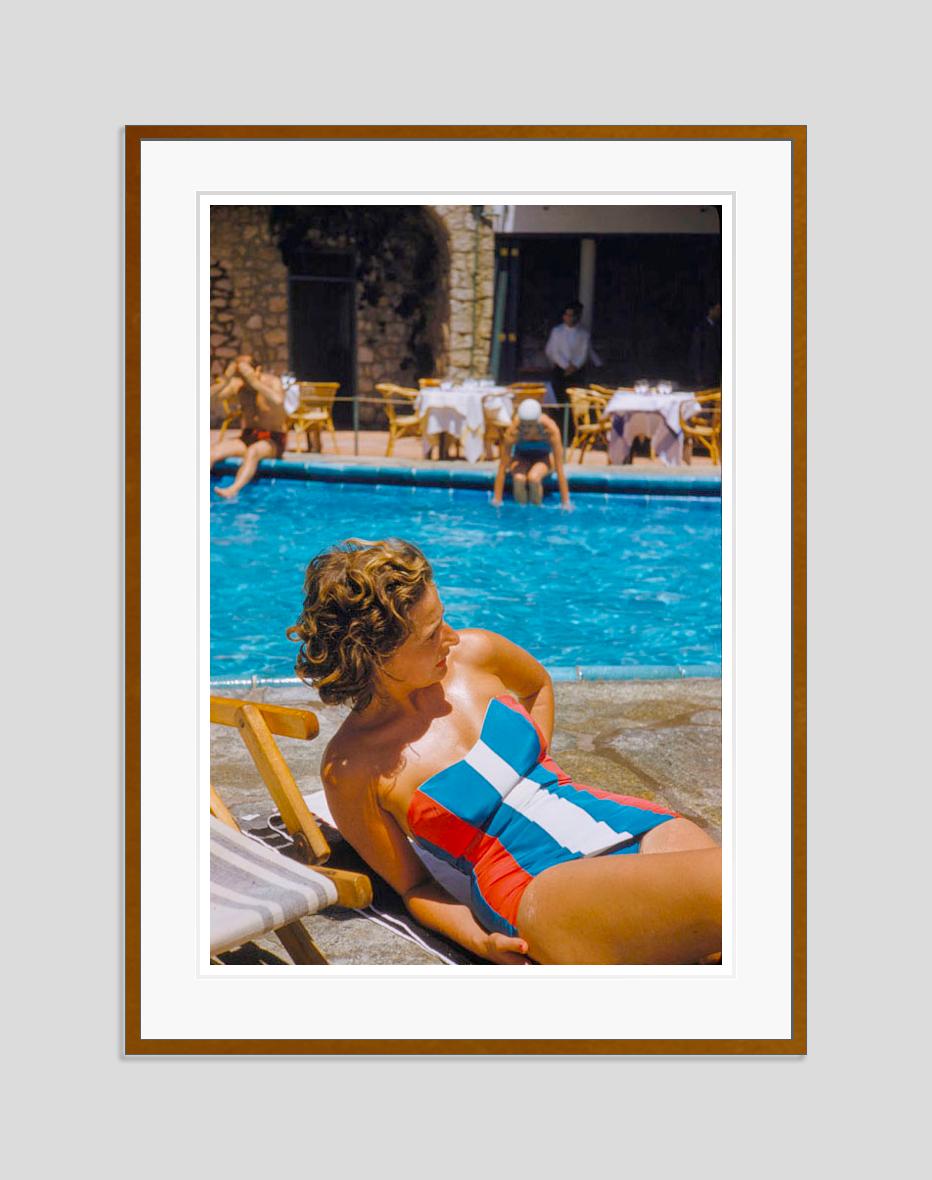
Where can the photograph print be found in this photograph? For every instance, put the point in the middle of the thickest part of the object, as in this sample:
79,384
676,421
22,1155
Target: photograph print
465,532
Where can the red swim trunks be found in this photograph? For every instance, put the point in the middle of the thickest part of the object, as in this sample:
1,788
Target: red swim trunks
275,437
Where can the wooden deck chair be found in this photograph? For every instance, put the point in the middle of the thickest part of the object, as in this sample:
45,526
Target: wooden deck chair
315,411
302,890
395,397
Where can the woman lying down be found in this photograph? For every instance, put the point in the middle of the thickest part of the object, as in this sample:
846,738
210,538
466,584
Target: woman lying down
447,746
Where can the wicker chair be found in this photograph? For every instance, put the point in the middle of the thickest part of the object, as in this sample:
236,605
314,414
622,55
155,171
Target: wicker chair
521,390
493,427
400,425
315,411
232,412
705,425
589,421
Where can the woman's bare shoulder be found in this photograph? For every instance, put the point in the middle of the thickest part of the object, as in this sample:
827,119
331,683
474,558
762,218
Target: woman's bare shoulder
487,651
477,646
343,767
551,427
352,774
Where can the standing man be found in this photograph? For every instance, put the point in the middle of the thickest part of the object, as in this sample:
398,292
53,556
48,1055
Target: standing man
705,350
569,350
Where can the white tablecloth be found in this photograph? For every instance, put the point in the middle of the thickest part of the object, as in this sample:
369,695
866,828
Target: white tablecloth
660,412
458,410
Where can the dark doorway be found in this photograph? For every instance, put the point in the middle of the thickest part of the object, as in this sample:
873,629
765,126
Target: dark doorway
650,292
367,297
322,323
535,279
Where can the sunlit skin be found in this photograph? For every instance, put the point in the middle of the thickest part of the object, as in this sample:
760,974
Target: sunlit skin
229,383
263,399
426,714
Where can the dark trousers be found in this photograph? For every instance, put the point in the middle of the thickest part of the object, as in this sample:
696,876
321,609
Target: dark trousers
560,381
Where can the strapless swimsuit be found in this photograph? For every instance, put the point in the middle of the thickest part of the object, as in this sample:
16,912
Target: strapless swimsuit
506,812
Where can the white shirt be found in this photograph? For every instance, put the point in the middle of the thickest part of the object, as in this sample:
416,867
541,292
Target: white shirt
570,346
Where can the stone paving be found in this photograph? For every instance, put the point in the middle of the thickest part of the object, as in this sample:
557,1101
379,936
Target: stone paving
658,739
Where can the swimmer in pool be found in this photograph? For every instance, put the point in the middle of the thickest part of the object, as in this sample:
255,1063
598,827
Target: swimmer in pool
447,748
531,448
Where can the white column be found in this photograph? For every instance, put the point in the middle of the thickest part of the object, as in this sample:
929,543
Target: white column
586,279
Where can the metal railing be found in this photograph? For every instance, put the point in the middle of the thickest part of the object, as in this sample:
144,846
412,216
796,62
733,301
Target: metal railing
562,407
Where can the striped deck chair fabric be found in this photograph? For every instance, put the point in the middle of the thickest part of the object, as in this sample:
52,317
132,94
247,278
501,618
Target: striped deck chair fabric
255,890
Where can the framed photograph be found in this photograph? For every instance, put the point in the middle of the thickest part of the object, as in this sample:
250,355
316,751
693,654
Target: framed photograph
533,398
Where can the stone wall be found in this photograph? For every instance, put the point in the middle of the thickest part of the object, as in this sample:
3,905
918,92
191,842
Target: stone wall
471,290
248,289
425,287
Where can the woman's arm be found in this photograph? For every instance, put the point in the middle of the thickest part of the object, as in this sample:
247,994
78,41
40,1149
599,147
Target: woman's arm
505,446
381,843
557,442
432,906
517,669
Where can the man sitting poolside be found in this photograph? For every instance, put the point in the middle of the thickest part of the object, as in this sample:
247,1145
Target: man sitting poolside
264,432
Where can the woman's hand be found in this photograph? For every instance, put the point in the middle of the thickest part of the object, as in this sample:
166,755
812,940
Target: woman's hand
501,948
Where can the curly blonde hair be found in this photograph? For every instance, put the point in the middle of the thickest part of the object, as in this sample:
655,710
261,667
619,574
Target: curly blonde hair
358,597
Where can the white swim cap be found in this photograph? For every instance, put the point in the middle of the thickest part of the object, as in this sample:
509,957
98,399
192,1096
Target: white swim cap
529,410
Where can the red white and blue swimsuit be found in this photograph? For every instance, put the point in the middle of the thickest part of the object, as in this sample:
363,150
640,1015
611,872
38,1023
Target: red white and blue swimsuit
506,812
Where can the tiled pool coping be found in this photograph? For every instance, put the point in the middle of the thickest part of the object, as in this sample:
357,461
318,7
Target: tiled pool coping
576,672
446,475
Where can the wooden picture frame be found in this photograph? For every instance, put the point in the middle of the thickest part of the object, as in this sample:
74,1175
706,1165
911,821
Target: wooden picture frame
147,1035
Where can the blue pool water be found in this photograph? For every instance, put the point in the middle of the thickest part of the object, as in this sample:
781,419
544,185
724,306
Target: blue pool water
623,580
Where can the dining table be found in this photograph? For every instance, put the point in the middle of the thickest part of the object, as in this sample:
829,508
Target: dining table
652,415
458,409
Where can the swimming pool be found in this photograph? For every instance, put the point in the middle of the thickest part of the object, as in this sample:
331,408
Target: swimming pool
625,583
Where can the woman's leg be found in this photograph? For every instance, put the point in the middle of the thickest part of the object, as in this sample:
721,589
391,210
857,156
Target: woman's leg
676,835
626,909
518,471
264,449
226,450
535,482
